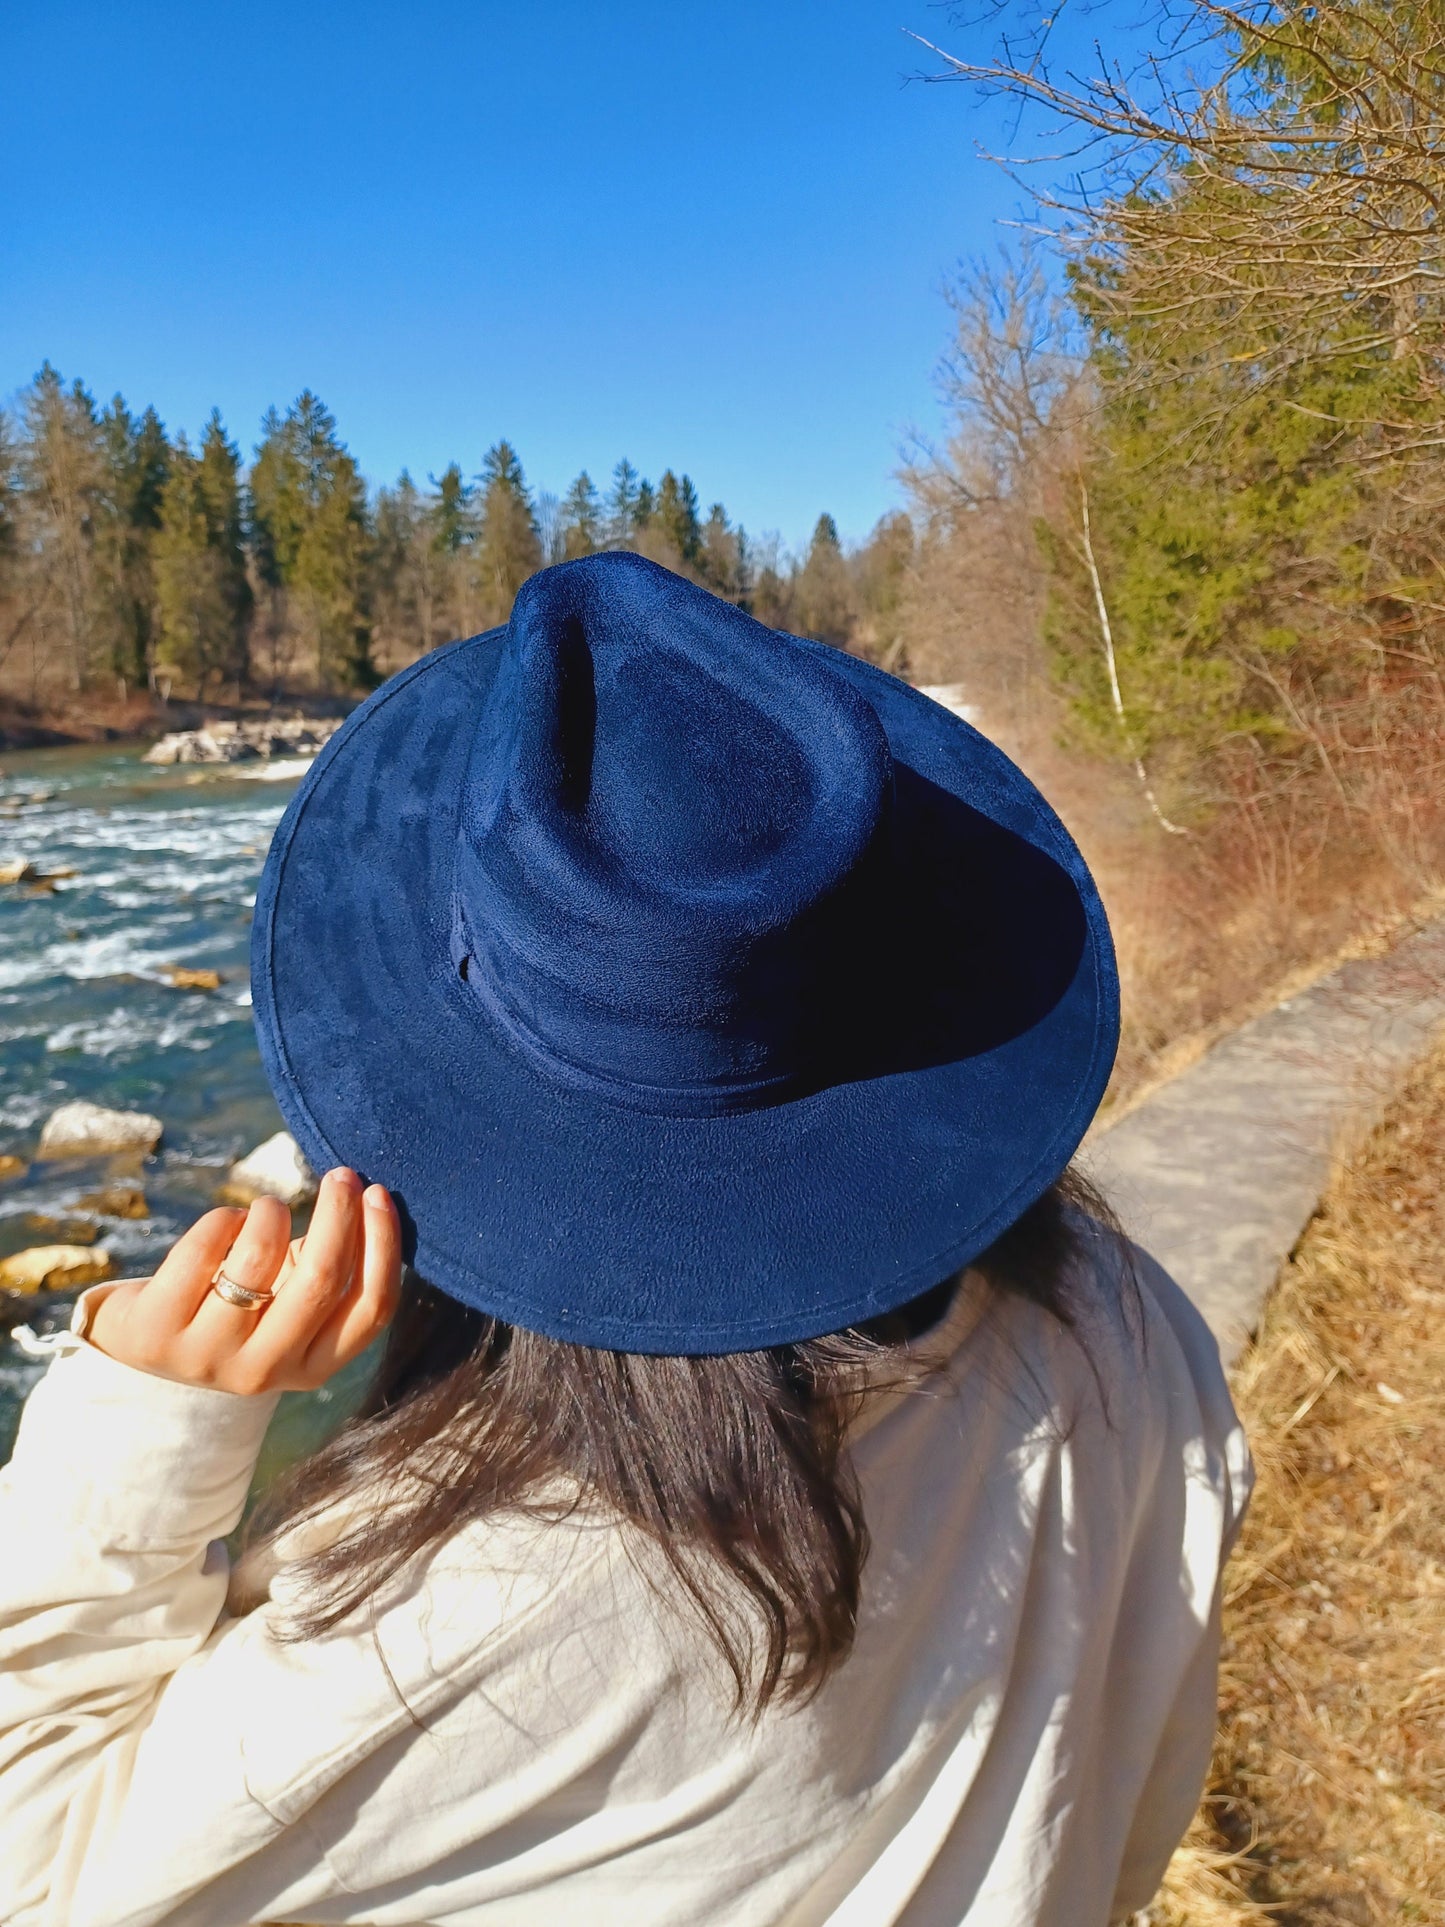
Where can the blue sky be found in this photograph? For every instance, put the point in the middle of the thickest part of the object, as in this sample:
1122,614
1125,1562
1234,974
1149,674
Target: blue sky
711,237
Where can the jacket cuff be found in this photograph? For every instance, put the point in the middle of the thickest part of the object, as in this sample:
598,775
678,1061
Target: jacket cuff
163,1461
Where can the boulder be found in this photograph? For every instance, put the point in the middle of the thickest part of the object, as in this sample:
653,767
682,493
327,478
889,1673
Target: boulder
275,1169
117,1201
60,1231
182,979
55,1268
80,1130
231,741
18,870
170,749
12,1167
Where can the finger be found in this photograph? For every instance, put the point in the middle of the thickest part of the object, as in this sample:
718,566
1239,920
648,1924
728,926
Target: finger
324,1273
261,1245
252,1262
184,1276
111,1308
363,1316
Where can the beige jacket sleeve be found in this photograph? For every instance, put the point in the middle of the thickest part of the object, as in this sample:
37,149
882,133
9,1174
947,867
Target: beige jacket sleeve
1219,1481
160,1756
112,1512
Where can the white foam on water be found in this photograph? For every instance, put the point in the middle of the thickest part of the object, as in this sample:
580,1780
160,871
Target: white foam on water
23,1109
126,952
228,839
124,1030
281,769
181,832
189,879
17,1033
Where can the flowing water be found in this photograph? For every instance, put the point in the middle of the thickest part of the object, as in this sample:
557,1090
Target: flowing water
166,862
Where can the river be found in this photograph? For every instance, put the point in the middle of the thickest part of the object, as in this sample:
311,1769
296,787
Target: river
166,863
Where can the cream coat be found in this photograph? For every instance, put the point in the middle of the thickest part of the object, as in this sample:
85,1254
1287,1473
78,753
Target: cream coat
1018,1739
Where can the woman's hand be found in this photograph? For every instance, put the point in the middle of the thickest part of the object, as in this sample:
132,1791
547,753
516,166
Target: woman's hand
335,1292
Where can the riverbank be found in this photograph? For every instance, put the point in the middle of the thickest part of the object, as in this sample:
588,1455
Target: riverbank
139,717
1327,1791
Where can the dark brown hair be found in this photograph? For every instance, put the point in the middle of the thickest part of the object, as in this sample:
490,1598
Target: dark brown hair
733,1467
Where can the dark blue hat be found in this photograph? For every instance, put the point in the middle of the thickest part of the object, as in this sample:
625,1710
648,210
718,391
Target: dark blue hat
695,988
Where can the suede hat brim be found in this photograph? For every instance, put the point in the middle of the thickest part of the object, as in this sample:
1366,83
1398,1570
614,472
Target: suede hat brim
561,1211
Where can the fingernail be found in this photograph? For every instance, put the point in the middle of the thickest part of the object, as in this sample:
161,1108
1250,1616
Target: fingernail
374,1197
344,1176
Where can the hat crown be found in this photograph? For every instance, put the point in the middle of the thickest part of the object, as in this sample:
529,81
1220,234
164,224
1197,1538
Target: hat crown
668,842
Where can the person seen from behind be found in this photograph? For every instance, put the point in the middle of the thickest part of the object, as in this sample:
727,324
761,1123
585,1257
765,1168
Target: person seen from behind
782,1498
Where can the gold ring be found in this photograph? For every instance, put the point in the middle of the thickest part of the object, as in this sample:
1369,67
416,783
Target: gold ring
240,1295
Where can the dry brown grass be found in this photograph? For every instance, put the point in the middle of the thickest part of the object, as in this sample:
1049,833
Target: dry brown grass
1327,1796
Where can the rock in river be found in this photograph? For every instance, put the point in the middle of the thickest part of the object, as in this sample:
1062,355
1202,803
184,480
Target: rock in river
60,1231
275,1169
81,1130
238,742
55,1268
117,1201
180,978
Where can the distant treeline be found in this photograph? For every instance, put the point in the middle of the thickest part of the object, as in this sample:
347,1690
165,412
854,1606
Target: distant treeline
132,557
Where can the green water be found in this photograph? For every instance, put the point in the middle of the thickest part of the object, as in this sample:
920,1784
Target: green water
166,863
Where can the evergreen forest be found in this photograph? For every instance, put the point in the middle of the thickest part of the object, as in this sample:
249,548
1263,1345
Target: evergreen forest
132,558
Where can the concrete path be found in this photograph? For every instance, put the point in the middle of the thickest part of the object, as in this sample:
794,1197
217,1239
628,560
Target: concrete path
1218,1171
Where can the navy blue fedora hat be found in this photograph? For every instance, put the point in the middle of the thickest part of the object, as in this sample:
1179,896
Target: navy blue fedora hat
694,988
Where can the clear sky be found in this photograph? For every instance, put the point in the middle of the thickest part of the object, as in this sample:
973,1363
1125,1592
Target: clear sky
710,237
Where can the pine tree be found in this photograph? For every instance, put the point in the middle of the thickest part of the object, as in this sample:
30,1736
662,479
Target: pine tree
311,538
581,524
509,548
454,521
405,563
676,517
881,572
62,473
186,603
137,458
622,505
723,555
223,507
202,595
643,508
772,598
452,512
823,595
